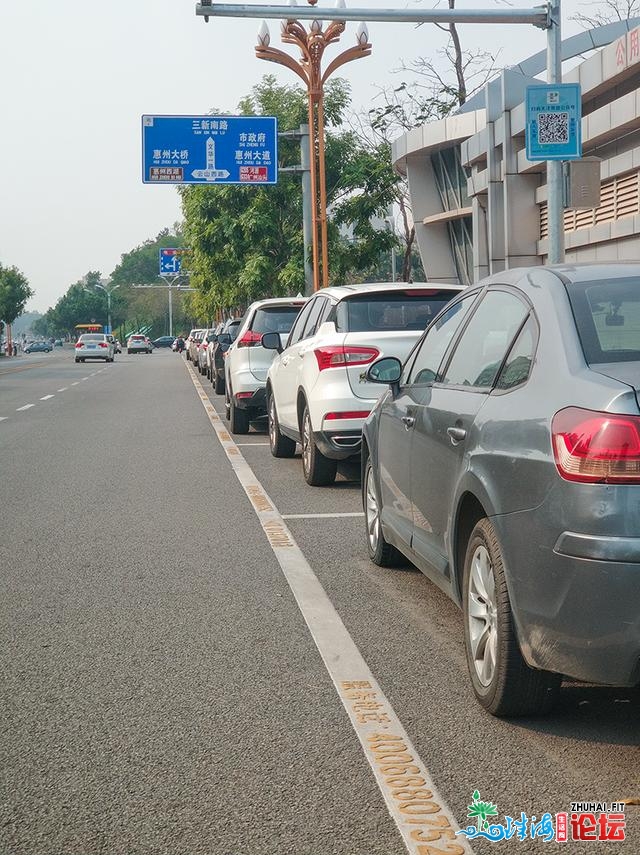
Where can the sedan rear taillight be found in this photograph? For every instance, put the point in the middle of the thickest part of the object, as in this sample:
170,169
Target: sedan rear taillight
103,344
79,344
593,447
250,339
339,355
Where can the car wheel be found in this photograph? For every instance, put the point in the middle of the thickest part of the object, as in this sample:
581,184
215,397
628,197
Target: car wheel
380,552
502,681
128,351
239,419
318,470
218,385
76,361
280,445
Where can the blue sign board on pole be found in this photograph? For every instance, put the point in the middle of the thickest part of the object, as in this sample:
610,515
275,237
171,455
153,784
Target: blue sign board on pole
170,261
209,150
553,122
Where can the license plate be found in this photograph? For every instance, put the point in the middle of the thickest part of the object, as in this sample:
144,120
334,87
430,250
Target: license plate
91,346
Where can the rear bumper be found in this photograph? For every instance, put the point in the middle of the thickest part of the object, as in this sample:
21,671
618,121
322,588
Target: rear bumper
92,354
257,403
576,600
139,350
339,444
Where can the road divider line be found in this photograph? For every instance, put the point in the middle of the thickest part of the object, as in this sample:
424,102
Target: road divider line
76,383
26,407
263,444
46,397
3,418
64,389
424,820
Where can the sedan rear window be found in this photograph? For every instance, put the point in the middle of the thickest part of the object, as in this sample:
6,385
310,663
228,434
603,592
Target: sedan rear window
391,310
95,337
275,319
607,316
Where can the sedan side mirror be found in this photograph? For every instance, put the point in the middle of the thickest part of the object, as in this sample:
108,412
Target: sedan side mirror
272,341
386,370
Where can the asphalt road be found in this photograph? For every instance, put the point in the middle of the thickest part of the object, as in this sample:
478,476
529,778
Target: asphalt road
161,692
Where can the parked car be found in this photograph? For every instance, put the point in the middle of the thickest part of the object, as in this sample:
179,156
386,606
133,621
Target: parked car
163,341
201,354
94,346
138,343
247,361
316,394
58,343
504,461
193,343
38,347
217,352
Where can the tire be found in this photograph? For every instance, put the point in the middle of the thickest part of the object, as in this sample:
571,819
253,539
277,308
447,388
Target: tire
502,681
380,552
239,419
76,361
280,445
128,351
218,384
318,470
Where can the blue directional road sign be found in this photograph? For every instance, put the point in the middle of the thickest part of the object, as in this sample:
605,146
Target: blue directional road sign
553,122
170,260
209,150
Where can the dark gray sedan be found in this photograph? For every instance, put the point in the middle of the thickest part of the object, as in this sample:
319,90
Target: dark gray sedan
504,461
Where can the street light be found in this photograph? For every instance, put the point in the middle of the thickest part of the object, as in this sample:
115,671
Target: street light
104,285
312,44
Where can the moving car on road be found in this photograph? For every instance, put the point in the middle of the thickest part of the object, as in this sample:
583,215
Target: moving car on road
247,361
94,346
504,461
163,341
139,343
316,394
38,347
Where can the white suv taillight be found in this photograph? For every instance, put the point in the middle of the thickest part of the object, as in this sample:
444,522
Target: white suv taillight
339,355
593,447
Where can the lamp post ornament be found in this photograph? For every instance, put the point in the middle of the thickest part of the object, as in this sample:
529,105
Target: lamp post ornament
312,44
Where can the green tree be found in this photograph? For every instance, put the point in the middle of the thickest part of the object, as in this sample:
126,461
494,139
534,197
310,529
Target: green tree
14,293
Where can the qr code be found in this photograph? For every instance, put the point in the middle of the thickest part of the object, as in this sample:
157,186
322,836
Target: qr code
553,128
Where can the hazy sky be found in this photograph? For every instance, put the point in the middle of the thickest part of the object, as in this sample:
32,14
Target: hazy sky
74,82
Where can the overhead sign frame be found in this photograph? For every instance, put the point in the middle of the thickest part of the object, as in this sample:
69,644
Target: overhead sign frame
209,150
553,122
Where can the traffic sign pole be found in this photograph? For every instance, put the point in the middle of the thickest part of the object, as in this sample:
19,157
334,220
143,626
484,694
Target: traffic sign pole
555,208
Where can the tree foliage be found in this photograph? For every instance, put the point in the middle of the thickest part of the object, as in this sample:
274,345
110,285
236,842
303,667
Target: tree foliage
14,293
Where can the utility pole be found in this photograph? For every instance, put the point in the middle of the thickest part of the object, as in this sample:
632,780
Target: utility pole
169,286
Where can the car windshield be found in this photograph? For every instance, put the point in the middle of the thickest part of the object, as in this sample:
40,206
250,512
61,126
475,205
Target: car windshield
391,310
94,337
607,316
274,319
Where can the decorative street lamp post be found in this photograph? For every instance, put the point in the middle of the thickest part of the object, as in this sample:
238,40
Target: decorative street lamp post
312,44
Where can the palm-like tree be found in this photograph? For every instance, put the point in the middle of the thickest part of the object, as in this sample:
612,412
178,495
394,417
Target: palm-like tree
481,811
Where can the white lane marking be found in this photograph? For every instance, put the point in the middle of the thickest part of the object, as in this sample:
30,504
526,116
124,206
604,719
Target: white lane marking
26,407
263,444
76,383
46,397
412,799
84,378
3,418
64,389
319,516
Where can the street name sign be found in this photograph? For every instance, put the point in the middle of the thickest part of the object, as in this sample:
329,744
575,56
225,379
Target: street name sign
170,260
553,122
209,150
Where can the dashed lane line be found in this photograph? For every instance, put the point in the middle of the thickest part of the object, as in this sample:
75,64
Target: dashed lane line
3,418
76,383
46,397
64,389
424,820
26,407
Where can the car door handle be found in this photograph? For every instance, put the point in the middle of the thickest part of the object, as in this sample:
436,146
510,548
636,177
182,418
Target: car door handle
408,422
285,360
457,434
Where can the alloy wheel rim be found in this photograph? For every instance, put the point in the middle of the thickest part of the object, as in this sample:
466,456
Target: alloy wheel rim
272,422
483,616
306,443
373,513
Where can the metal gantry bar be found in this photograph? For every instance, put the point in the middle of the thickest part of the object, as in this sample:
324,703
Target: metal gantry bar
538,15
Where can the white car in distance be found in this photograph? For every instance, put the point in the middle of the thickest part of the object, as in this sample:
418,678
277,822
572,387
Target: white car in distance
316,392
247,361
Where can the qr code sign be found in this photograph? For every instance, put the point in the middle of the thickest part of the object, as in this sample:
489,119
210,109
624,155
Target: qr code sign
553,128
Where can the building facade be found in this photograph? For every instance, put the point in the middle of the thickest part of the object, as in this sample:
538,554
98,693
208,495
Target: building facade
481,207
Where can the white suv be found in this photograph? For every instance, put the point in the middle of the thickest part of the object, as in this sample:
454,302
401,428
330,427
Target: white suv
247,361
316,392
